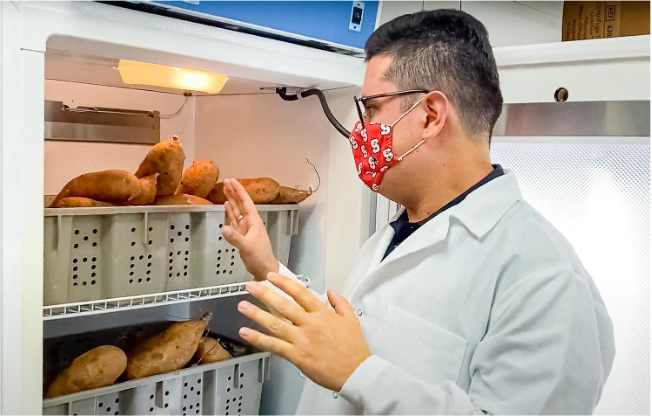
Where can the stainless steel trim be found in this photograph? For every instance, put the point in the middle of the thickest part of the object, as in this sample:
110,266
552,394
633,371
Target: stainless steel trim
107,125
575,119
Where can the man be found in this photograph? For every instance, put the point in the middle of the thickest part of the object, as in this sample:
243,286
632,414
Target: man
469,301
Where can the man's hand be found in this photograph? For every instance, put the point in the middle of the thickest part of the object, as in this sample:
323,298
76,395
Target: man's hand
326,344
247,232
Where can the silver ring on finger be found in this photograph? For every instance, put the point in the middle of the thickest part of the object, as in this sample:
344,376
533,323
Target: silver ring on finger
240,218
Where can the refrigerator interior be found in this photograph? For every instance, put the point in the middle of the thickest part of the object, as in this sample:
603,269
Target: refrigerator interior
247,130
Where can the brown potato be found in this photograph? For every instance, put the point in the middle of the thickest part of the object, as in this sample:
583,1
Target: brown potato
97,368
210,351
166,352
147,191
261,190
181,200
199,179
114,186
289,195
165,158
217,196
81,202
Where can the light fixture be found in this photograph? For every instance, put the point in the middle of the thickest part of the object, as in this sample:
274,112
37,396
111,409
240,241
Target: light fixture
142,73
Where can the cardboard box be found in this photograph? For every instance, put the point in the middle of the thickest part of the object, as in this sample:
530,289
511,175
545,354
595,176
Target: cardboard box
605,19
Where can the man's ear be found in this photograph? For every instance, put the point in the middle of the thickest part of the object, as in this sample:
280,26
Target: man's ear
437,106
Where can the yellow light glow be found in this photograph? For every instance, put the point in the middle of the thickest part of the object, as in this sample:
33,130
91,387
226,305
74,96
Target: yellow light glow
141,73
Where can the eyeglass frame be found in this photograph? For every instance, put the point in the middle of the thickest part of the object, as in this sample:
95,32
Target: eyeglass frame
361,100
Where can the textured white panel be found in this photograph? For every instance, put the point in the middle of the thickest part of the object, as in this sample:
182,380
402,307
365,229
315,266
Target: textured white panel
598,195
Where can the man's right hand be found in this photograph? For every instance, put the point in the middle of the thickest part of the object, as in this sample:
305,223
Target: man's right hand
247,232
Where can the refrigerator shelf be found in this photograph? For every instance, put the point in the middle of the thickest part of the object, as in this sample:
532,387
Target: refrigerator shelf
73,310
68,310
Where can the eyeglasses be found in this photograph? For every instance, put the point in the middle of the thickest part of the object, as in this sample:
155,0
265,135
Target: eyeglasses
359,102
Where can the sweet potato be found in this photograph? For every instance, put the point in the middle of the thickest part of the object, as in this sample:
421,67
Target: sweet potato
98,367
199,179
80,202
166,352
261,190
210,351
217,196
114,186
165,158
289,195
181,200
147,191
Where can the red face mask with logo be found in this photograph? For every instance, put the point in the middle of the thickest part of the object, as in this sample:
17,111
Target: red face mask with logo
373,151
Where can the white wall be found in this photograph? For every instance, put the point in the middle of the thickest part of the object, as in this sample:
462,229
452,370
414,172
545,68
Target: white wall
66,160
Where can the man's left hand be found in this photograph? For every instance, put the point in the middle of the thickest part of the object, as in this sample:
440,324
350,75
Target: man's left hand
326,344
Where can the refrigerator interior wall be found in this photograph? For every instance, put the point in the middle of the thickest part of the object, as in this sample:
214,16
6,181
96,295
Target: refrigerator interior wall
596,191
66,160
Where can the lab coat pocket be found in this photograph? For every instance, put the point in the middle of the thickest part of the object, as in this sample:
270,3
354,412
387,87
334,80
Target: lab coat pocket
419,347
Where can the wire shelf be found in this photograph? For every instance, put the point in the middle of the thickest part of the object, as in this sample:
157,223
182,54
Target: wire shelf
68,310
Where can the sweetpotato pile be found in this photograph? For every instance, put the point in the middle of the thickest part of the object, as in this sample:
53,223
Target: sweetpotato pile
181,345
160,180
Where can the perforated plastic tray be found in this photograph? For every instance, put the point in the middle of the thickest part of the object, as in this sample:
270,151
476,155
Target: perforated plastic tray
100,253
227,388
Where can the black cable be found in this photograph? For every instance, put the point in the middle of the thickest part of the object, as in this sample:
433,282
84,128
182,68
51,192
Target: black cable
282,92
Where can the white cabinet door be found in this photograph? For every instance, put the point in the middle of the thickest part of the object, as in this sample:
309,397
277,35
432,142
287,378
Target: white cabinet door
510,23
395,8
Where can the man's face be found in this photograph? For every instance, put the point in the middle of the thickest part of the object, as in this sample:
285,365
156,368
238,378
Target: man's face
386,110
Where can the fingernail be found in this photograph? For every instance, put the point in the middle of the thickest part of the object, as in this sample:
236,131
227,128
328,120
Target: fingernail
244,332
253,287
244,306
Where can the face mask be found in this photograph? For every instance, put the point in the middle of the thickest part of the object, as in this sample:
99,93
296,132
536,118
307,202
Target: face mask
373,150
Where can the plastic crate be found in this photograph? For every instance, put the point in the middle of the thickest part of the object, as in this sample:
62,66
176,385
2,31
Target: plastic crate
101,253
230,387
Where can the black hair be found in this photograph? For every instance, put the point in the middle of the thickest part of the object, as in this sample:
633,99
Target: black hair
447,51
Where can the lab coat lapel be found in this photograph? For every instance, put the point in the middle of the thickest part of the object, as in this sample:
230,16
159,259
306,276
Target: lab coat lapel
431,233
370,256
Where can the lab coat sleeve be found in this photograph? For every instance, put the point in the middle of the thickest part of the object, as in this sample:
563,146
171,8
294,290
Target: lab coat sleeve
542,354
288,273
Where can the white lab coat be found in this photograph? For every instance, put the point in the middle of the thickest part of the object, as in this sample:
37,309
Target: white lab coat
485,308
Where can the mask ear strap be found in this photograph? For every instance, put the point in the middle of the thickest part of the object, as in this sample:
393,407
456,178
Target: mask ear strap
408,111
400,158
